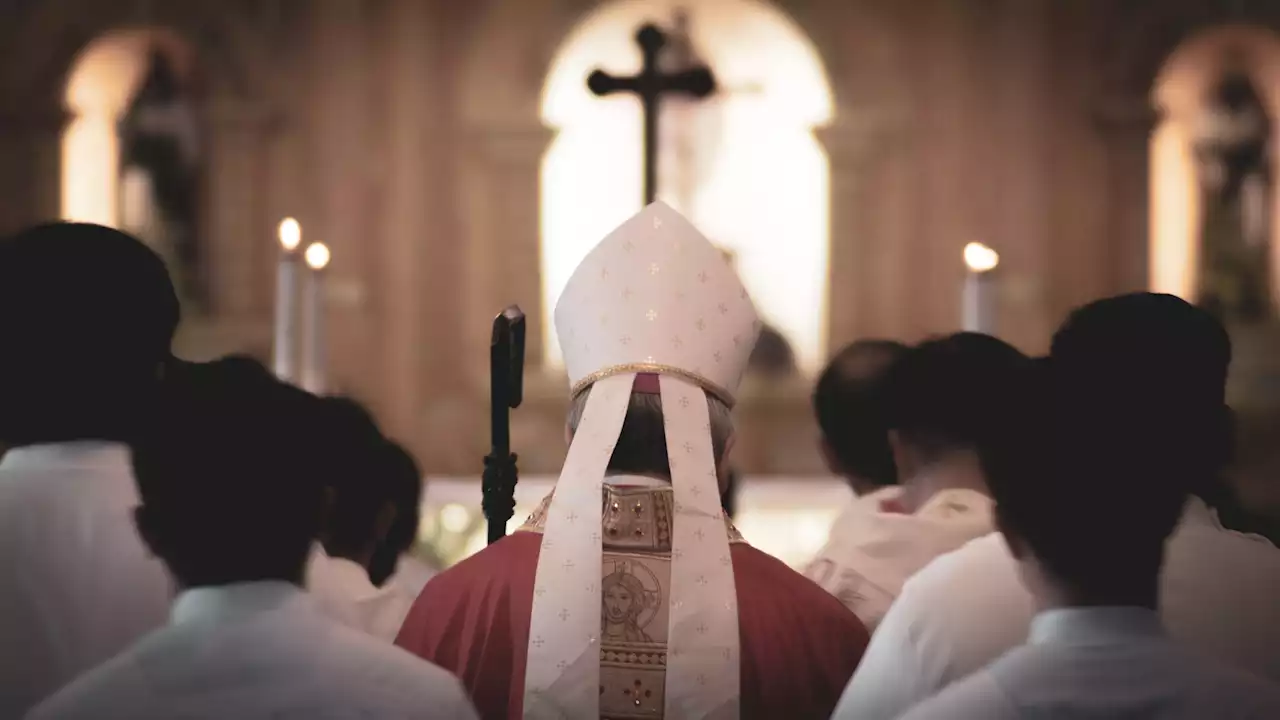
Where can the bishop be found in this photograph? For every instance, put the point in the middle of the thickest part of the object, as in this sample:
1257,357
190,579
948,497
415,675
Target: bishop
628,592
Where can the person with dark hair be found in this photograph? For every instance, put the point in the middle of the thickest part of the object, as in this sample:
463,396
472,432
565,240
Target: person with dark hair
88,315
231,506
375,488
350,439
628,592
393,562
849,405
1139,435
944,407
1107,427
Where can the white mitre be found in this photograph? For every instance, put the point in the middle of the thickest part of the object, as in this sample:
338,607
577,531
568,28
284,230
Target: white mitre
653,297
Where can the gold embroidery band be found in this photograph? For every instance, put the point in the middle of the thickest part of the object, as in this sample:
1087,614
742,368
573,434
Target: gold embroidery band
723,395
661,499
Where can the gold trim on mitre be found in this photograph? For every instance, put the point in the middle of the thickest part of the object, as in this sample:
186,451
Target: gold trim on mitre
721,394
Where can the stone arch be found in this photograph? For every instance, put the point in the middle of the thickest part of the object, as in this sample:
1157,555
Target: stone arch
513,45
99,85
238,115
1178,89
510,48
737,194
42,50
1141,37
1138,40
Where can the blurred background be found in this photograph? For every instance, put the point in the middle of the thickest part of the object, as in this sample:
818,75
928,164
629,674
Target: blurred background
452,159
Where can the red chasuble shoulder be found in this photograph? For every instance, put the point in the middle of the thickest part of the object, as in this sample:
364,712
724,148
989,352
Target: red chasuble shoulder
800,646
473,620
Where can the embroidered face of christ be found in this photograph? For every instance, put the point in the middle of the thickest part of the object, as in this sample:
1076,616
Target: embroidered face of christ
622,601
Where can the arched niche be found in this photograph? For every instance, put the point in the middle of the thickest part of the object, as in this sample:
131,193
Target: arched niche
102,80
511,48
1178,93
761,185
52,70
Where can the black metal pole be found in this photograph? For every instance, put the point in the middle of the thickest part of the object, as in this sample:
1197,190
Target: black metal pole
506,373
650,149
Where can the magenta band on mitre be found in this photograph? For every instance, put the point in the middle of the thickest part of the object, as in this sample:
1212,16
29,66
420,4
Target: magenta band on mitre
584,383
647,384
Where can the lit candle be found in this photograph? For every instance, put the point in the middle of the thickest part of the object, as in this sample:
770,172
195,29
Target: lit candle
284,350
978,304
314,359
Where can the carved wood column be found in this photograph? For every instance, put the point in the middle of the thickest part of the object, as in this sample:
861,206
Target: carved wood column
1126,128
499,251
343,168
868,244
504,248
416,269
236,234
237,223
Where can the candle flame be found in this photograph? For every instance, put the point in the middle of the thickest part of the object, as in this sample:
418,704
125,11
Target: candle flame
317,256
290,234
980,258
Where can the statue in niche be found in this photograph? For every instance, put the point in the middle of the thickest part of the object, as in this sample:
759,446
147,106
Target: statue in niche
160,174
1232,151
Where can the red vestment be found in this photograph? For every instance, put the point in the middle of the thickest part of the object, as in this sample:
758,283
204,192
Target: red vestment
800,646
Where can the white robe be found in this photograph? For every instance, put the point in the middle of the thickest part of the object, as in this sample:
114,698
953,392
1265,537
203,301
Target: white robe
411,575
254,651
77,585
343,591
1219,594
871,553
1108,662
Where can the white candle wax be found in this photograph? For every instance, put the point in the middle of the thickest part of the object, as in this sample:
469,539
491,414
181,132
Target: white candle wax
315,360
284,349
978,313
286,314
978,299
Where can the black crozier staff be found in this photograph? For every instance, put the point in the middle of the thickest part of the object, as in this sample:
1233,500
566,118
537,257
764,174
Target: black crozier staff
506,381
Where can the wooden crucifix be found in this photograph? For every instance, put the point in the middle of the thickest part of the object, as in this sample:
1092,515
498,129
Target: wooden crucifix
650,84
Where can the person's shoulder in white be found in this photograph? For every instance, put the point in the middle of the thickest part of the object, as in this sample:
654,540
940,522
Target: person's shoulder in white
967,607
1153,680
1228,692
376,487
957,614
278,665
344,592
1210,566
866,563
79,584
1100,650
412,574
939,401
425,689
977,697
231,503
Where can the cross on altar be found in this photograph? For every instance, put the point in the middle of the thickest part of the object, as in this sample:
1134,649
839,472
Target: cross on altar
650,84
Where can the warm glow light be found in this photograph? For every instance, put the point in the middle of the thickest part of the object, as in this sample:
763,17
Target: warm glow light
980,258
1176,209
792,535
99,86
766,201
454,518
1175,213
290,234
317,256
